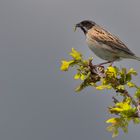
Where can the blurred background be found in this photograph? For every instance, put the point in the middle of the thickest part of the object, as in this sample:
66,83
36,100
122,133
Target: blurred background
37,100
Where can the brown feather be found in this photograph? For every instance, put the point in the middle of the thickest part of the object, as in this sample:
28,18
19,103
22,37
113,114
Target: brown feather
102,36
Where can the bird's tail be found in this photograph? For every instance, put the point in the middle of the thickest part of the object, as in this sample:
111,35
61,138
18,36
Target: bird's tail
137,58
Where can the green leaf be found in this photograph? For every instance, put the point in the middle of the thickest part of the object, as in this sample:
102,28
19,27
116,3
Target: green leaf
123,76
137,93
136,120
81,86
128,77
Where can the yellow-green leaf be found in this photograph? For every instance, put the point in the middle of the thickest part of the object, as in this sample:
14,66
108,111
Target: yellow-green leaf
113,70
123,105
136,120
116,109
132,71
115,133
112,120
77,76
130,84
120,87
76,55
82,77
65,65
110,128
101,87
137,93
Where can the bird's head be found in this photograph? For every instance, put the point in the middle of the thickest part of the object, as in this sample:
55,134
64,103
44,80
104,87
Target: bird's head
85,25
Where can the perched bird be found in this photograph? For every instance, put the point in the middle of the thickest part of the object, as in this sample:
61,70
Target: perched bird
104,44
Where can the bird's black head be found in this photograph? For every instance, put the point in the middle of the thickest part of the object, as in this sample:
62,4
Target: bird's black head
85,25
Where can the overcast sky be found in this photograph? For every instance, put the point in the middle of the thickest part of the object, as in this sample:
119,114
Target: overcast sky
37,100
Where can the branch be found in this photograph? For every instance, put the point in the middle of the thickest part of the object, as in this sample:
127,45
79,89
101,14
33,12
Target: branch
127,108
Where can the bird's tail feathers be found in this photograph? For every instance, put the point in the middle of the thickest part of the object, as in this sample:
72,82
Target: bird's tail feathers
137,58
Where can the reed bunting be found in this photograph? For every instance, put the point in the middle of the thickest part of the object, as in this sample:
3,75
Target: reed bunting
104,44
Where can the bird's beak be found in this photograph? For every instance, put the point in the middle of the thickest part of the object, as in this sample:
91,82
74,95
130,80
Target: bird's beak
77,26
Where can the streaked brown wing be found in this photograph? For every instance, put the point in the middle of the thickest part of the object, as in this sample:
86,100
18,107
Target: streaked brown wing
103,36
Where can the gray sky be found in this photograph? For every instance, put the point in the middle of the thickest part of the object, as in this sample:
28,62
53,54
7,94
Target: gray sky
37,100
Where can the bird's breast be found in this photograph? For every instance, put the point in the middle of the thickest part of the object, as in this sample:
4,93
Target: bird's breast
101,50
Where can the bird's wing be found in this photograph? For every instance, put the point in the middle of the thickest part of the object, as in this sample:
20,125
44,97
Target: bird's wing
103,36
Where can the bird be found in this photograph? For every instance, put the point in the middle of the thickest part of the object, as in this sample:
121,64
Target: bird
104,44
